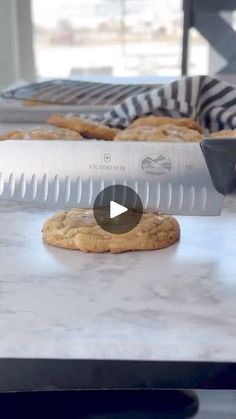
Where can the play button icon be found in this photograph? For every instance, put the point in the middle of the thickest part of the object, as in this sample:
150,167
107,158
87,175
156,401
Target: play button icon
117,209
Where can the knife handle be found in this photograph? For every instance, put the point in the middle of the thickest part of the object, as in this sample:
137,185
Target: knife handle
220,157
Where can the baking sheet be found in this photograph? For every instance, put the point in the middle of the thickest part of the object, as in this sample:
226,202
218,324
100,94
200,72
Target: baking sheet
66,96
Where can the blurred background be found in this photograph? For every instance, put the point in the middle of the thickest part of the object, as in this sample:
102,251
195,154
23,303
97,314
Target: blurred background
100,38
111,37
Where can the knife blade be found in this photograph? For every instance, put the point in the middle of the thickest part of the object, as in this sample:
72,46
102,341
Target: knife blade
169,177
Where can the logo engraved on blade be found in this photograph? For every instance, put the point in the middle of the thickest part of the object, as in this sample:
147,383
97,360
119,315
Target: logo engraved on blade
189,167
107,157
156,164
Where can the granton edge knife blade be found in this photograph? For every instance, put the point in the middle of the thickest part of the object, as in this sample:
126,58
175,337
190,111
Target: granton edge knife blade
176,178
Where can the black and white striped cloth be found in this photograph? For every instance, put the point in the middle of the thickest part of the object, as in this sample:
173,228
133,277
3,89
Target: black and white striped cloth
209,101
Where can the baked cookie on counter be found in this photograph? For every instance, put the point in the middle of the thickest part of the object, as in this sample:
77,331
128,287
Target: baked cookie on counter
77,229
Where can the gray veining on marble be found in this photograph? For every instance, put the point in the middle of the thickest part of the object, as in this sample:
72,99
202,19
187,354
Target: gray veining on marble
174,304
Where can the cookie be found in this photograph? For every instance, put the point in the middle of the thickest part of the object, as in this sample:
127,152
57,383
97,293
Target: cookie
42,134
169,133
77,229
89,129
224,133
35,102
157,121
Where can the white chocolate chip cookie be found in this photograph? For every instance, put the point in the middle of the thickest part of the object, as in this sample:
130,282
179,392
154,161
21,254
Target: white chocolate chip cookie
89,129
170,133
41,134
77,229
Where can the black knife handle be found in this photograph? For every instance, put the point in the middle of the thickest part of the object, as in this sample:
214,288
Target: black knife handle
220,156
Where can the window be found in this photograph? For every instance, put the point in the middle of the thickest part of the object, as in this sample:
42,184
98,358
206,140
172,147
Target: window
112,38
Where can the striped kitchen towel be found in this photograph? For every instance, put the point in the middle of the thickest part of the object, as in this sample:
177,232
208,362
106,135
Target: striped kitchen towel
209,101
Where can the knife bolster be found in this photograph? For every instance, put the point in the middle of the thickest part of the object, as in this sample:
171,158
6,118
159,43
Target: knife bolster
220,157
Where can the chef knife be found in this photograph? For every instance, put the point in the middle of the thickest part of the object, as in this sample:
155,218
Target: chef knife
176,178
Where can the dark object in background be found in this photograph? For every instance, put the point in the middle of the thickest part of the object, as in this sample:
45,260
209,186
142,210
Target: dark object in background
198,14
103,404
220,156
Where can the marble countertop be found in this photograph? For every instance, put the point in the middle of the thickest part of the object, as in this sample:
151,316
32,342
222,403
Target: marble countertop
174,304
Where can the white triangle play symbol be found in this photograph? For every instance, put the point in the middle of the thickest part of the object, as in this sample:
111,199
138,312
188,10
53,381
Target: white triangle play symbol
116,209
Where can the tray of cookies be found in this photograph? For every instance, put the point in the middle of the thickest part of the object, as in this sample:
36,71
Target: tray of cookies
34,102
185,110
188,110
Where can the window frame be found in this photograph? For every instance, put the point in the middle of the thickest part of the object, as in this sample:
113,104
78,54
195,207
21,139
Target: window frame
16,42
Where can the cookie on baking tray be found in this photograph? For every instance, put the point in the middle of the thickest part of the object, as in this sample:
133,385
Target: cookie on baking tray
34,102
85,127
157,121
170,133
225,133
77,229
41,134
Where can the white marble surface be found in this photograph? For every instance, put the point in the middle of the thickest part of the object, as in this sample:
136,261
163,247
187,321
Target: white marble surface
174,304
